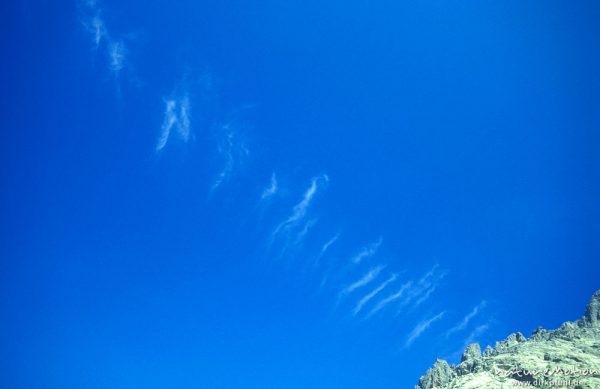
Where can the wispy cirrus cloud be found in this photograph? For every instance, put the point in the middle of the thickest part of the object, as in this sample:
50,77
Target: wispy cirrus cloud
114,48
477,331
473,337
462,324
367,251
422,327
424,288
395,296
225,149
272,189
231,149
302,233
176,118
299,210
426,294
415,292
292,230
369,296
325,248
95,26
364,280
117,52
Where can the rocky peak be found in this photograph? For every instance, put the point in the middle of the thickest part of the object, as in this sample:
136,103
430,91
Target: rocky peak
473,351
591,317
509,343
470,361
540,334
437,376
488,352
575,345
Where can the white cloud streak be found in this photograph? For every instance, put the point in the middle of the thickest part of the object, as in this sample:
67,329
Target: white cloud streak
391,298
325,248
302,233
117,56
300,209
272,189
461,325
477,331
422,327
367,251
226,151
412,292
291,231
97,29
115,49
169,121
364,280
183,124
425,287
176,116
425,295
369,296
231,149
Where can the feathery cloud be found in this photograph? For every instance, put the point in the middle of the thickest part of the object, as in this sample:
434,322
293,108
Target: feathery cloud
391,298
226,151
369,296
364,280
231,149
300,209
116,52
425,295
97,28
292,230
461,325
422,327
325,248
113,48
272,189
177,116
425,287
302,233
473,337
477,331
168,122
183,124
367,251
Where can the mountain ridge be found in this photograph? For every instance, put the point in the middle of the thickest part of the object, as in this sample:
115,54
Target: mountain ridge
568,356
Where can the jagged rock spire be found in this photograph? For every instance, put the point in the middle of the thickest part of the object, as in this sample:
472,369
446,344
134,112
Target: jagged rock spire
437,376
473,351
591,317
576,342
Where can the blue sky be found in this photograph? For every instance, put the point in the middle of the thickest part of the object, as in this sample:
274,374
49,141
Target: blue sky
299,194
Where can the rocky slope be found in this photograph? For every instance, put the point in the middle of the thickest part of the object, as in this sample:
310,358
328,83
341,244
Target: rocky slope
566,357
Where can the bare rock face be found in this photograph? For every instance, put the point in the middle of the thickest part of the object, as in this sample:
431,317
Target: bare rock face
470,361
567,331
488,352
508,344
540,334
472,352
591,317
571,353
437,376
